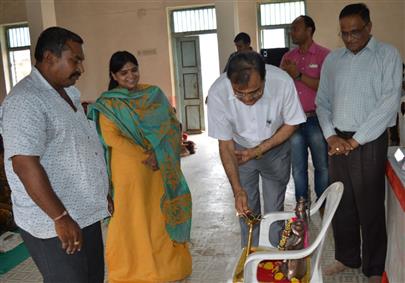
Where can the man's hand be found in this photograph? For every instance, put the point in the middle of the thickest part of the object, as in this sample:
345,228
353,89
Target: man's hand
338,145
110,204
353,143
69,234
230,163
245,155
284,64
150,161
241,202
290,67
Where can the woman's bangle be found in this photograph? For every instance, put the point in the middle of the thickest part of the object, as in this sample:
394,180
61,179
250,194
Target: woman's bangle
64,213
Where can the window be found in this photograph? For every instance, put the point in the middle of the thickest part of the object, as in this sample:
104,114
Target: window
191,20
18,51
275,19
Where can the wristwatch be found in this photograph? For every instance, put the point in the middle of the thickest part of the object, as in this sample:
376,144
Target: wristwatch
258,153
298,78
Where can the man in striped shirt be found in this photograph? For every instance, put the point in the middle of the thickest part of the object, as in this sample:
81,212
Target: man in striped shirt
357,101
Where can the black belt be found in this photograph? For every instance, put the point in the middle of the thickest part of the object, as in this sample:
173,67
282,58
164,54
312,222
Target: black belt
344,134
310,114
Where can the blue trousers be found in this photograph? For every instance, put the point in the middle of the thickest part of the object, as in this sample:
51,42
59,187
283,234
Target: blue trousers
274,170
309,135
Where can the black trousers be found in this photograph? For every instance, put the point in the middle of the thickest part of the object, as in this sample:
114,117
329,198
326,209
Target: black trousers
359,223
86,266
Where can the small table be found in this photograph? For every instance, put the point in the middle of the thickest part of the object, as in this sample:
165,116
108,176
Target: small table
395,214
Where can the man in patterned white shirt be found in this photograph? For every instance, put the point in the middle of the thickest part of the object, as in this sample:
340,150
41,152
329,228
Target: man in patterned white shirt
54,164
357,101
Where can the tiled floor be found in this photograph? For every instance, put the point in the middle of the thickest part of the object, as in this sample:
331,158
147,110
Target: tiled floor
215,231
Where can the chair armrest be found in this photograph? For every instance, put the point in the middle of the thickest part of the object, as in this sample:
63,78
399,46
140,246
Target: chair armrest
275,254
272,217
266,222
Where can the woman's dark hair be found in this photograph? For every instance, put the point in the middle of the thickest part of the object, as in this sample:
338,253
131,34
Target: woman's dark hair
359,9
117,61
242,64
54,39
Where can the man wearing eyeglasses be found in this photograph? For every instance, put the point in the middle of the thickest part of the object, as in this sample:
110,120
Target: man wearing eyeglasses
303,64
357,101
253,109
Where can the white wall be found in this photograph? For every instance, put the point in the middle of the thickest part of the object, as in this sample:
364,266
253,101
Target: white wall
141,27
387,16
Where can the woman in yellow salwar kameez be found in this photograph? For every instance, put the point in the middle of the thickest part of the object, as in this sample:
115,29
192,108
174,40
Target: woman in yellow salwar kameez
148,234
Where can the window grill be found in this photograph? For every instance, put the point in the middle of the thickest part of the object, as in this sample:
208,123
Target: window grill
18,51
18,37
275,19
280,13
200,19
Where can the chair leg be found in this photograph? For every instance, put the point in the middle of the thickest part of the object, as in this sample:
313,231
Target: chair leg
317,276
250,271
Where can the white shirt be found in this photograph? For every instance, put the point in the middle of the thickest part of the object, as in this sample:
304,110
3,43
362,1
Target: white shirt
38,122
249,125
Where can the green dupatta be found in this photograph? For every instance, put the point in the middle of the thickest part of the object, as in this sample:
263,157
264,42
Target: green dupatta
147,119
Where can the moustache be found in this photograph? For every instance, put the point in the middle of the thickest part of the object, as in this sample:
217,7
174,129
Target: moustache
75,74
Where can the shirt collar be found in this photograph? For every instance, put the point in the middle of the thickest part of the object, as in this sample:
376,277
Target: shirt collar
312,49
41,82
371,45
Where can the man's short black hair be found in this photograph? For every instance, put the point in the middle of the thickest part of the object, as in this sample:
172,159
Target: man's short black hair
359,9
242,64
242,36
309,22
54,39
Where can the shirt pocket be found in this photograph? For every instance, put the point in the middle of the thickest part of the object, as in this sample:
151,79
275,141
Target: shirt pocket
270,122
313,69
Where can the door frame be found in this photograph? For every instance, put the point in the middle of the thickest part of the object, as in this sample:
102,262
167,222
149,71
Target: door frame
173,38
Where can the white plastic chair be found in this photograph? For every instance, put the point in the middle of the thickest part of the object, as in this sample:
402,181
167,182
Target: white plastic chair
332,194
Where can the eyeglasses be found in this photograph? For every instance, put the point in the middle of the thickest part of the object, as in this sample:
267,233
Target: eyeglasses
356,34
253,94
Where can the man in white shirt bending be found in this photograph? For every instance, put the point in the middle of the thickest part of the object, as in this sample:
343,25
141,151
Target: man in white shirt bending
253,110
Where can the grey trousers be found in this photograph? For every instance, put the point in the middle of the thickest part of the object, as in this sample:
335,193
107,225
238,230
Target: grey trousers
274,170
86,266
